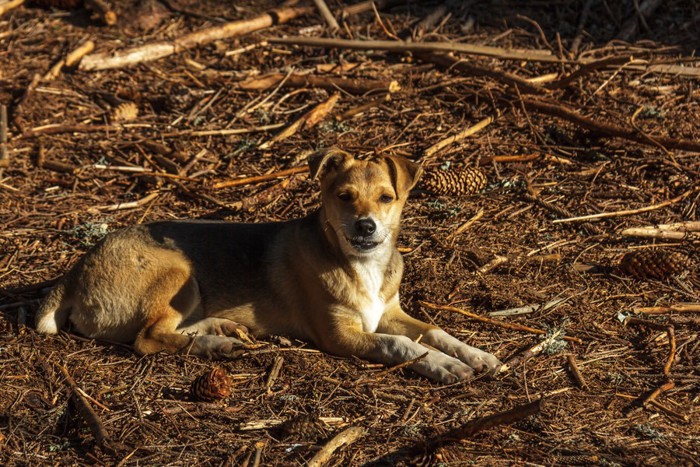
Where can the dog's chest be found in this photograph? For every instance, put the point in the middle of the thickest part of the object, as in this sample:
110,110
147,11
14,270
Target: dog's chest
372,305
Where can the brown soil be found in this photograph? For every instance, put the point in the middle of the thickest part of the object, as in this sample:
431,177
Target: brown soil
53,206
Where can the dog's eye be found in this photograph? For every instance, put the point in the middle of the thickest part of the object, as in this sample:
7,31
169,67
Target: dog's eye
386,199
344,196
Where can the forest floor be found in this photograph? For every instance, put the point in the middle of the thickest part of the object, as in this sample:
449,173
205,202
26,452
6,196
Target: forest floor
583,108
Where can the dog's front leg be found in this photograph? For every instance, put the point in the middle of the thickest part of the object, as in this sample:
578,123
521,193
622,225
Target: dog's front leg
348,339
396,321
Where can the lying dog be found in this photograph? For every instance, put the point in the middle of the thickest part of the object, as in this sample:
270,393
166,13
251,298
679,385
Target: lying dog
332,277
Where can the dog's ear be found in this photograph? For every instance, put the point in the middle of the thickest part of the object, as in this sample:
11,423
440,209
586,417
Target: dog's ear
327,159
404,173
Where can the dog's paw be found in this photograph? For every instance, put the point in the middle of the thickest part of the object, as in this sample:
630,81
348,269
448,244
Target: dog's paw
477,359
218,347
443,368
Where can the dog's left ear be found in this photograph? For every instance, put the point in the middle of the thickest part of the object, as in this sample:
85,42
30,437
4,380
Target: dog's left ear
404,173
327,159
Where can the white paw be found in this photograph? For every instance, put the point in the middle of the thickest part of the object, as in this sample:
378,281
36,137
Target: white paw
478,360
217,347
443,368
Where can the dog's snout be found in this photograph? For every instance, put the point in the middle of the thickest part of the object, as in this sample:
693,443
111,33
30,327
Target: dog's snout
365,227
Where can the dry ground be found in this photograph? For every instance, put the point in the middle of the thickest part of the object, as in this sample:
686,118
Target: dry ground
53,206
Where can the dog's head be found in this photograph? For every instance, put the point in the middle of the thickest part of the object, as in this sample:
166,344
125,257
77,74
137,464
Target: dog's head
362,200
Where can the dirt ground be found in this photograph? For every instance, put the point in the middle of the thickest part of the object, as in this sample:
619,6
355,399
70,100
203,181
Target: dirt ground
572,136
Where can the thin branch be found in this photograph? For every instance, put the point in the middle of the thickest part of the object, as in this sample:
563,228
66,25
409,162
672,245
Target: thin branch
629,212
259,178
559,111
397,46
347,436
494,322
156,50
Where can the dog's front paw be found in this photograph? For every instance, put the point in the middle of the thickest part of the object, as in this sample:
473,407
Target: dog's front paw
477,359
443,368
480,361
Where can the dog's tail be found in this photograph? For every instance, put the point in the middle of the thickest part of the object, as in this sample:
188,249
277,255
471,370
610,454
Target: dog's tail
54,310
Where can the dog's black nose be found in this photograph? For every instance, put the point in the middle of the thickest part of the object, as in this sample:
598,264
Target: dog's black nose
365,227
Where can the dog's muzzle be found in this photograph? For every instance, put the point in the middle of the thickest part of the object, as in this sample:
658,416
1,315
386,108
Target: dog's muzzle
364,235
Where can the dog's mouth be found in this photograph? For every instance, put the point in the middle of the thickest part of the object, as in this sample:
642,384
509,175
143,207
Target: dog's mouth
363,243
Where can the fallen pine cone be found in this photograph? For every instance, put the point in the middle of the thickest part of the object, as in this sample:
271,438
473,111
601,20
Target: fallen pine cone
459,182
124,112
304,427
654,264
213,385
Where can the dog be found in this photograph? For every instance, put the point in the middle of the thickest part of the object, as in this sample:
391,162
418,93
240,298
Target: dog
331,278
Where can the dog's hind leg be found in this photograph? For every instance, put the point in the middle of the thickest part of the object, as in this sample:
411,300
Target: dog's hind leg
172,297
54,310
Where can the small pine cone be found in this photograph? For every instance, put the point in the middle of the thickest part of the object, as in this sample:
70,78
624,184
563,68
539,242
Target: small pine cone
124,112
212,385
303,428
654,264
459,182
61,4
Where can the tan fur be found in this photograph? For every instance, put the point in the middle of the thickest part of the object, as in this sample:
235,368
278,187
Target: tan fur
332,277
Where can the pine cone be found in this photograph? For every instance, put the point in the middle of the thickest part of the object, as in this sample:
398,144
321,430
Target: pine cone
303,427
212,385
459,182
62,4
124,112
654,264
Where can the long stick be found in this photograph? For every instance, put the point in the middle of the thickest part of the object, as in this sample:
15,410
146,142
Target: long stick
565,113
628,212
396,46
502,324
260,178
156,50
86,411
458,137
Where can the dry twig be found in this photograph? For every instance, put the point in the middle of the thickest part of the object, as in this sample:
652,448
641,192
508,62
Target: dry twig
607,129
576,372
259,178
428,153
86,411
397,46
494,322
629,212
330,83
345,437
71,59
155,50
327,15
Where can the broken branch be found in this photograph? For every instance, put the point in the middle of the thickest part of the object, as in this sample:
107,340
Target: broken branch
330,83
347,436
494,322
156,50
559,111
260,178
85,409
398,46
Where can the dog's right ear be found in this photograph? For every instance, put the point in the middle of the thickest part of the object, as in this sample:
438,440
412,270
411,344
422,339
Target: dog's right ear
325,160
